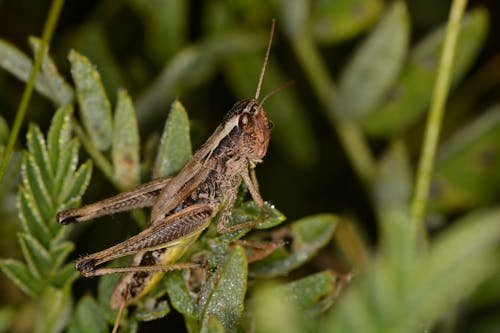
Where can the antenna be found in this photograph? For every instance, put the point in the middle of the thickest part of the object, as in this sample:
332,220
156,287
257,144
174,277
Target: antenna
275,90
266,58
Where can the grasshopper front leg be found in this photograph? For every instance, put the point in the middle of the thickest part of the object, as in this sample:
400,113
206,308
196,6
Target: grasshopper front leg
167,233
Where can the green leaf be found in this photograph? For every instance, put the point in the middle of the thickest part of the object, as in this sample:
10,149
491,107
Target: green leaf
179,295
30,217
125,149
309,291
249,211
175,147
66,166
407,101
19,64
293,132
387,298
305,238
336,21
59,136
79,182
223,296
33,183
375,66
53,310
38,258
61,92
37,148
87,317
59,252
95,109
64,276
467,167
213,326
19,273
160,310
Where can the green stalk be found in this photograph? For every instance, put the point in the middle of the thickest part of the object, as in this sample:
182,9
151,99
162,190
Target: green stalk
48,31
434,120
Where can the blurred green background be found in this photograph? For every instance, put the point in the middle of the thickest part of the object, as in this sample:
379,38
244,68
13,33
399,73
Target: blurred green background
208,55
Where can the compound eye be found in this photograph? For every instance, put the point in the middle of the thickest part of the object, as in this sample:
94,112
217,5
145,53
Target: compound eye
246,122
270,125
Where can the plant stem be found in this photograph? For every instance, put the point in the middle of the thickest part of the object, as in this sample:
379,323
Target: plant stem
48,31
435,117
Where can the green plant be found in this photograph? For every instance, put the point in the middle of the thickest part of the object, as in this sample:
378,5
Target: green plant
419,276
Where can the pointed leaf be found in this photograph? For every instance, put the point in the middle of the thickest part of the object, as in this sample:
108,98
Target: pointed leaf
179,295
226,293
95,109
67,163
125,149
38,148
61,92
60,252
409,98
79,182
335,21
467,168
37,257
304,238
53,310
64,276
175,147
33,183
31,219
19,273
59,135
87,317
375,66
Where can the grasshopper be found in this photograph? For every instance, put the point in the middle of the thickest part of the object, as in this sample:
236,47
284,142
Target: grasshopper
183,206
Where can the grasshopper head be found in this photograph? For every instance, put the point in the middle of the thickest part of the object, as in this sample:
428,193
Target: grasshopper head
252,131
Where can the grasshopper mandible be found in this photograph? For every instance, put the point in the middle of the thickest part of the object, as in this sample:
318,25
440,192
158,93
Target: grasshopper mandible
183,206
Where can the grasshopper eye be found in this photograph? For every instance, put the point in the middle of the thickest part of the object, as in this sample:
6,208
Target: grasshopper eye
270,125
245,122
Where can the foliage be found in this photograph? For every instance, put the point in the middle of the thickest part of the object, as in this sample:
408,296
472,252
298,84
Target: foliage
365,74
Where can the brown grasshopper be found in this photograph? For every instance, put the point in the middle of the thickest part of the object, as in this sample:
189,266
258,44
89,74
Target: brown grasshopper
183,206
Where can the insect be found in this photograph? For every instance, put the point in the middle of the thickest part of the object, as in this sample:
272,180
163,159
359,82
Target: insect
183,206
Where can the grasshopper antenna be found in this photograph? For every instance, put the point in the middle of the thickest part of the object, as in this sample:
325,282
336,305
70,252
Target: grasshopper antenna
266,58
275,90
